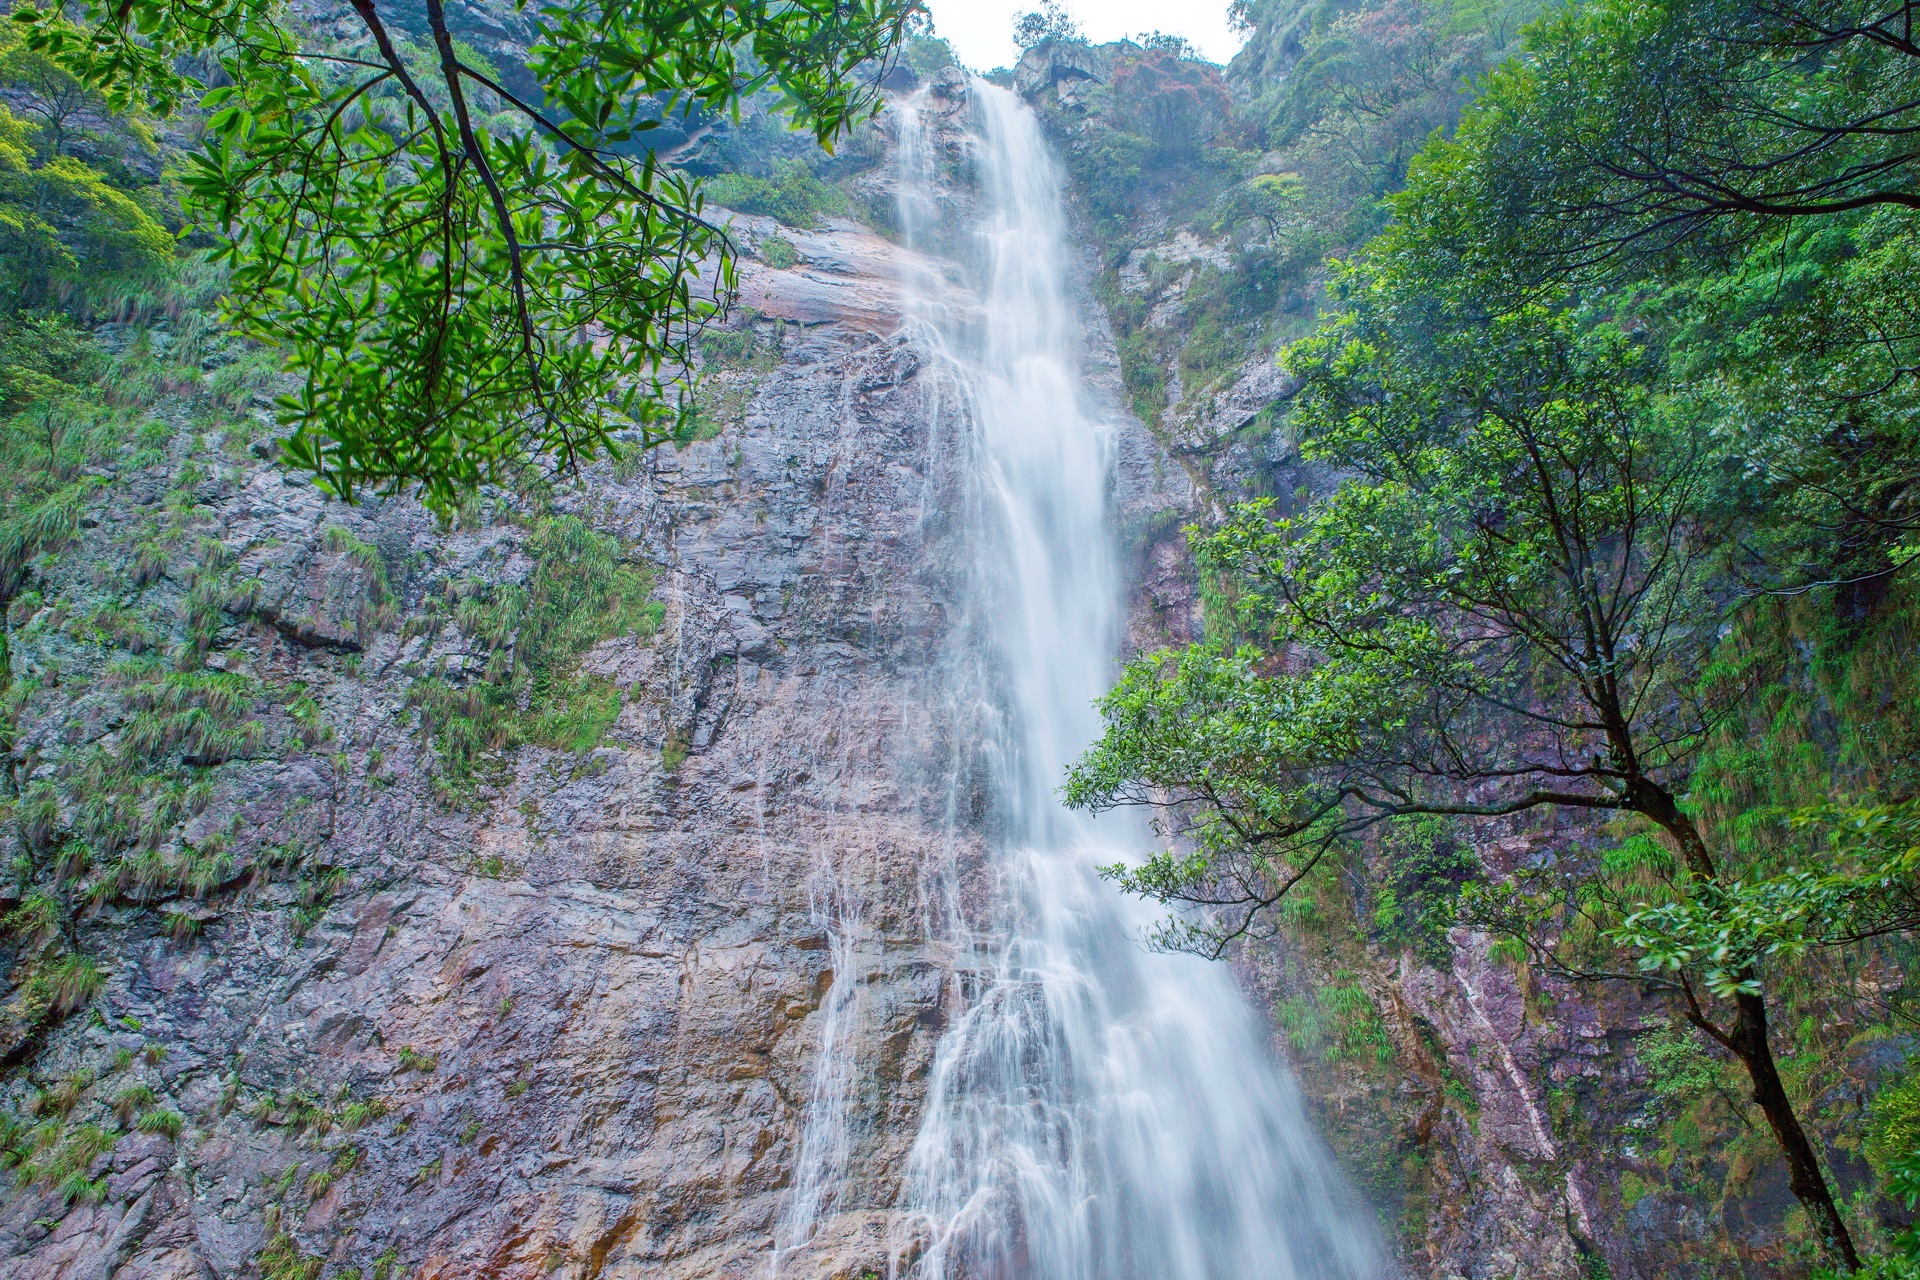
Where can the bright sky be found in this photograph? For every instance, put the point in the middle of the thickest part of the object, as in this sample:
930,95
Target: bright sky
981,31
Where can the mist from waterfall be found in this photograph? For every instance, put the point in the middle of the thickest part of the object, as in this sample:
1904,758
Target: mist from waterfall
1097,1111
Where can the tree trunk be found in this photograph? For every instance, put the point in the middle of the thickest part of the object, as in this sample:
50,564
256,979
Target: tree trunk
1808,1184
1749,1043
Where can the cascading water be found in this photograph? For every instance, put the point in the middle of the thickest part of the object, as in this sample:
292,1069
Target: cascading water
1098,1110
825,1138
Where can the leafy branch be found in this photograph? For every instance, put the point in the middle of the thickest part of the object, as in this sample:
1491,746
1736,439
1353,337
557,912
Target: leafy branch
469,284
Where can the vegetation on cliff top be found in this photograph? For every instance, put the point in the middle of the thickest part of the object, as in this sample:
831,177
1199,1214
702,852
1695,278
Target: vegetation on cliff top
1277,162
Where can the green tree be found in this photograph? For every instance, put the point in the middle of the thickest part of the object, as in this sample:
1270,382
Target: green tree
1755,159
63,221
1513,602
1805,352
48,93
1048,22
78,226
468,282
1639,127
1270,199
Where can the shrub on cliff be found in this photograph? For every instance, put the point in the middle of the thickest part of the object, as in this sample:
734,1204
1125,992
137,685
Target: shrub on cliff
1174,102
793,195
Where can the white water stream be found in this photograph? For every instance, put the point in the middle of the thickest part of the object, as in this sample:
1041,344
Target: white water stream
1097,1111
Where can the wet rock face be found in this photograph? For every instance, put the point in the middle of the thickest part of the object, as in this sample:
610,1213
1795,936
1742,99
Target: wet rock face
570,1030
577,1024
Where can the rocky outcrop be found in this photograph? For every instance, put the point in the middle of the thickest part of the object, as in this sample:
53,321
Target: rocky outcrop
586,1010
1062,65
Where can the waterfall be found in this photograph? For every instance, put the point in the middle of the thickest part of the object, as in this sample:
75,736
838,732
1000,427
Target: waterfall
1096,1111
825,1136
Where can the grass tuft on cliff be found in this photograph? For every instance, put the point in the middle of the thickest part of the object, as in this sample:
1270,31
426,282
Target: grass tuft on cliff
531,636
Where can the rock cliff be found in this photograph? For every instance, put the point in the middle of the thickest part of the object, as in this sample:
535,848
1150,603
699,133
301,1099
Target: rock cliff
565,1021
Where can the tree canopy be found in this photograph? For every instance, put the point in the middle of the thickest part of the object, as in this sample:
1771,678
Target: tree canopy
1640,127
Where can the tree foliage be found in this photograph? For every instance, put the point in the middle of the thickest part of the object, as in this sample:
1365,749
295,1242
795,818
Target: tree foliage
1048,22
71,228
1503,595
1173,100
1749,161
1347,93
469,282
1571,480
1641,126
